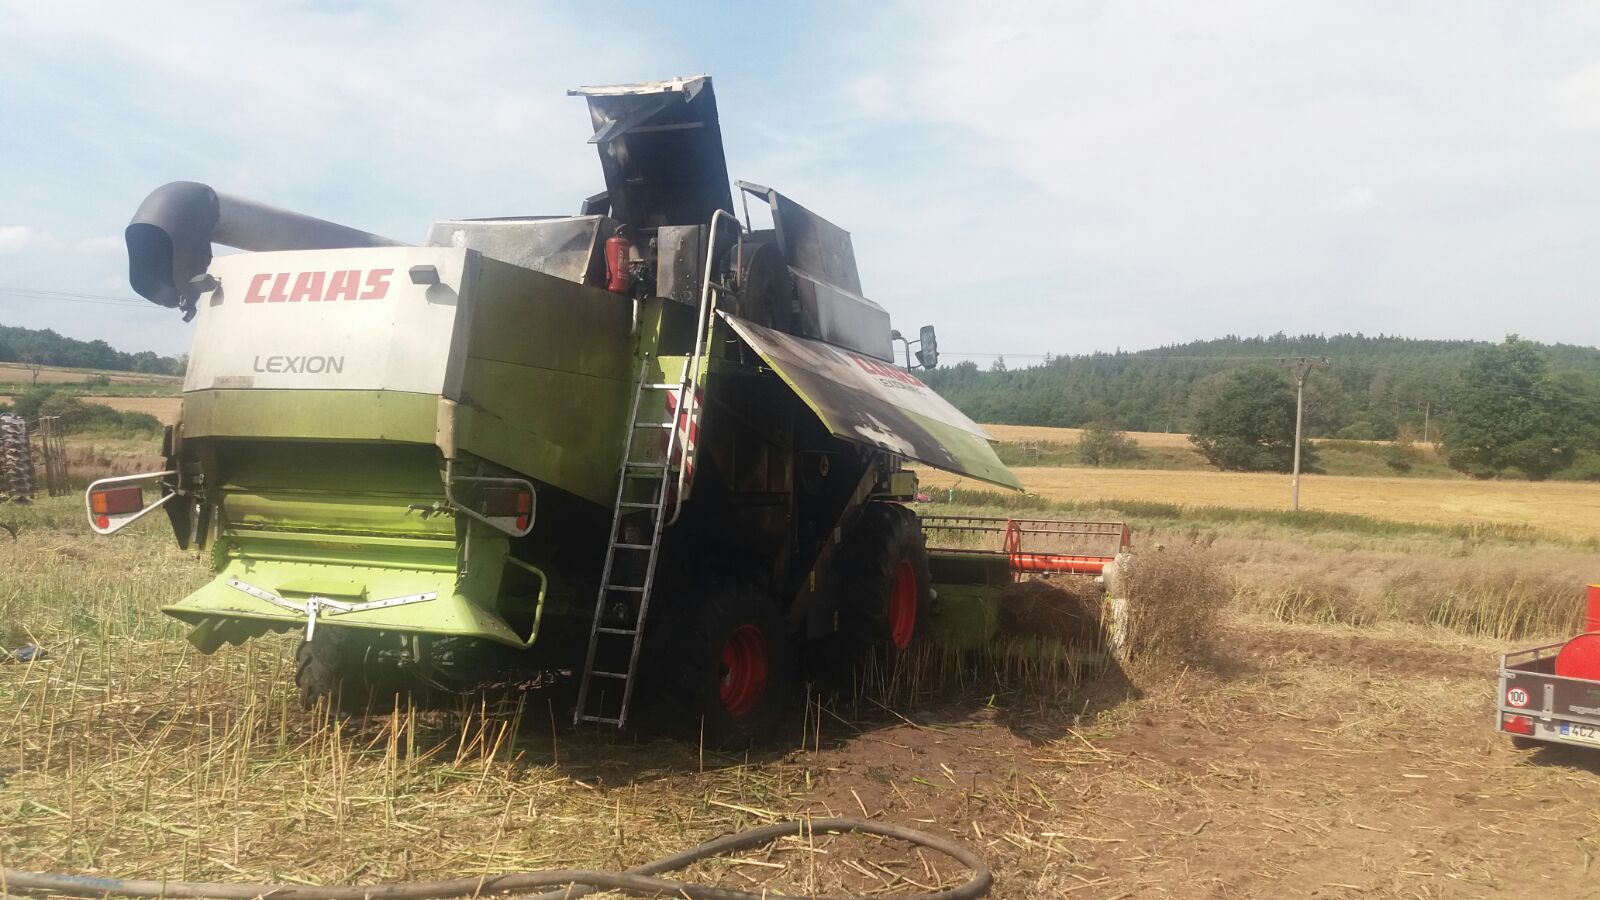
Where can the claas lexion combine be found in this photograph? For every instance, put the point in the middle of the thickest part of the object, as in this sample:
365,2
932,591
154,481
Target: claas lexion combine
645,446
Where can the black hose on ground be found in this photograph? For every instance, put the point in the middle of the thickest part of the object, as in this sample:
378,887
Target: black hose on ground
569,883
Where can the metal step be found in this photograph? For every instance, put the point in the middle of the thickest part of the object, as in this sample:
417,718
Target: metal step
633,504
633,546
652,424
624,587
619,675
609,630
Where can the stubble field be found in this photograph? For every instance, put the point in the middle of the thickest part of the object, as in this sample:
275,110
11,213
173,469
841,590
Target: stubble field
1332,740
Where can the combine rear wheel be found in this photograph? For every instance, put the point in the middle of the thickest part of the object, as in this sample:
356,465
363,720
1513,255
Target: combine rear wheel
727,664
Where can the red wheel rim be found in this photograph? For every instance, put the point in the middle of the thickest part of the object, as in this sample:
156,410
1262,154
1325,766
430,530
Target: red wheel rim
744,670
903,605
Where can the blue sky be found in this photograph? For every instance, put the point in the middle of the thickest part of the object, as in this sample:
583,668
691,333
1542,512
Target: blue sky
1029,177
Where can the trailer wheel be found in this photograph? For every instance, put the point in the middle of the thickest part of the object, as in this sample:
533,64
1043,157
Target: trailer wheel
343,667
727,664
885,594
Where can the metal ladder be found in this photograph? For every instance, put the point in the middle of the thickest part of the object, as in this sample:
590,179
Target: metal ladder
630,599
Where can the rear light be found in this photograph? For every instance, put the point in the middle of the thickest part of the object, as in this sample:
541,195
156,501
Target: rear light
113,503
116,501
1517,725
502,503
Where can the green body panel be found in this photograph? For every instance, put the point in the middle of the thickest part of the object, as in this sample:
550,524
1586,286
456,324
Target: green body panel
547,379
965,615
311,415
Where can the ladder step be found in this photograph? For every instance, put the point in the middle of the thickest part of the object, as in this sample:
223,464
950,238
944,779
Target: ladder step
658,466
626,631
624,587
617,675
621,546
600,720
632,504
652,424
660,386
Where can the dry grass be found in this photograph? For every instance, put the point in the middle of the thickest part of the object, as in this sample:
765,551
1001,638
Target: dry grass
165,409
1561,508
1048,435
126,752
1177,594
19,374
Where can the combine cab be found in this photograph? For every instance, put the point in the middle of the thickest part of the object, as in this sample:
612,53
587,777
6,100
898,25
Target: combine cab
643,444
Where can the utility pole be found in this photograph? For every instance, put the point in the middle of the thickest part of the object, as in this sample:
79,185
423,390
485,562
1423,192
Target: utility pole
1302,368
1427,410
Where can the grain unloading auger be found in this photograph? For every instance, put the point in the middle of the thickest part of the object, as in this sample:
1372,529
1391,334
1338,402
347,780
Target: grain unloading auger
644,444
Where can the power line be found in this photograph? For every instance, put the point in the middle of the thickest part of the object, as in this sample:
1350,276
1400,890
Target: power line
26,293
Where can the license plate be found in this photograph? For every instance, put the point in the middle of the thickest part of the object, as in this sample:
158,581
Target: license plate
1572,731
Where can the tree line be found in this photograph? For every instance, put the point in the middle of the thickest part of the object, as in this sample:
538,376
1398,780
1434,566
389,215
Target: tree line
1517,407
44,347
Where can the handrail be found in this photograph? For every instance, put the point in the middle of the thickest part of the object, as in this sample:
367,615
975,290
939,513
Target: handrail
692,371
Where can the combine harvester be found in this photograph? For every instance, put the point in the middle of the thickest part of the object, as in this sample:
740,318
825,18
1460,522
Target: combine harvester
645,444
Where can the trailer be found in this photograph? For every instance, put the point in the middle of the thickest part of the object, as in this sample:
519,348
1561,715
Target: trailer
1551,693
648,445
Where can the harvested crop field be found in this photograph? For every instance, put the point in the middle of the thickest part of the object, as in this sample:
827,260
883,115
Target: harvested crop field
1046,434
20,374
163,408
1571,509
1293,760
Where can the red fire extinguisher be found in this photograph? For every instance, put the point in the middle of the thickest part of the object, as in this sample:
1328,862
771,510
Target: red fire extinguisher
618,278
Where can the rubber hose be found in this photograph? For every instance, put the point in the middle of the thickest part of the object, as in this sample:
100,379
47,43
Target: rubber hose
640,880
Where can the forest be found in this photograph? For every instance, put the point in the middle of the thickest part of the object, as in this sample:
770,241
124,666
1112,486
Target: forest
45,347
1368,389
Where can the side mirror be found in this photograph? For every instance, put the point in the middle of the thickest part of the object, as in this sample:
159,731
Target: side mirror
928,354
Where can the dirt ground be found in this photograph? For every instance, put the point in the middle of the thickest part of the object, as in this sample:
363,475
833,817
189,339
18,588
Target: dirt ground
1318,763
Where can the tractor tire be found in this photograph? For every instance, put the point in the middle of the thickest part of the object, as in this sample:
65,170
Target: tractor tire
342,667
16,460
723,670
885,596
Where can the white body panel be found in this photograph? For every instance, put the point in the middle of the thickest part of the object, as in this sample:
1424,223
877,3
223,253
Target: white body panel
332,320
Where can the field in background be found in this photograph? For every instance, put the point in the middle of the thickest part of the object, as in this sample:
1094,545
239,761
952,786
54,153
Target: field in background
15,375
1024,445
1569,509
1045,434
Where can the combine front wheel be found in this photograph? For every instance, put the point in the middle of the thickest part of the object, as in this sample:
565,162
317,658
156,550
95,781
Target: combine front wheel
886,596
348,669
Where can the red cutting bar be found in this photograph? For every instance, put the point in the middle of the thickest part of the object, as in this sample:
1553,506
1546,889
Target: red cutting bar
1057,564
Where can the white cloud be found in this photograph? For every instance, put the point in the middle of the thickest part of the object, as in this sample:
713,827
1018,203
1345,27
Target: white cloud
1168,164
104,244
1576,98
1354,200
17,238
